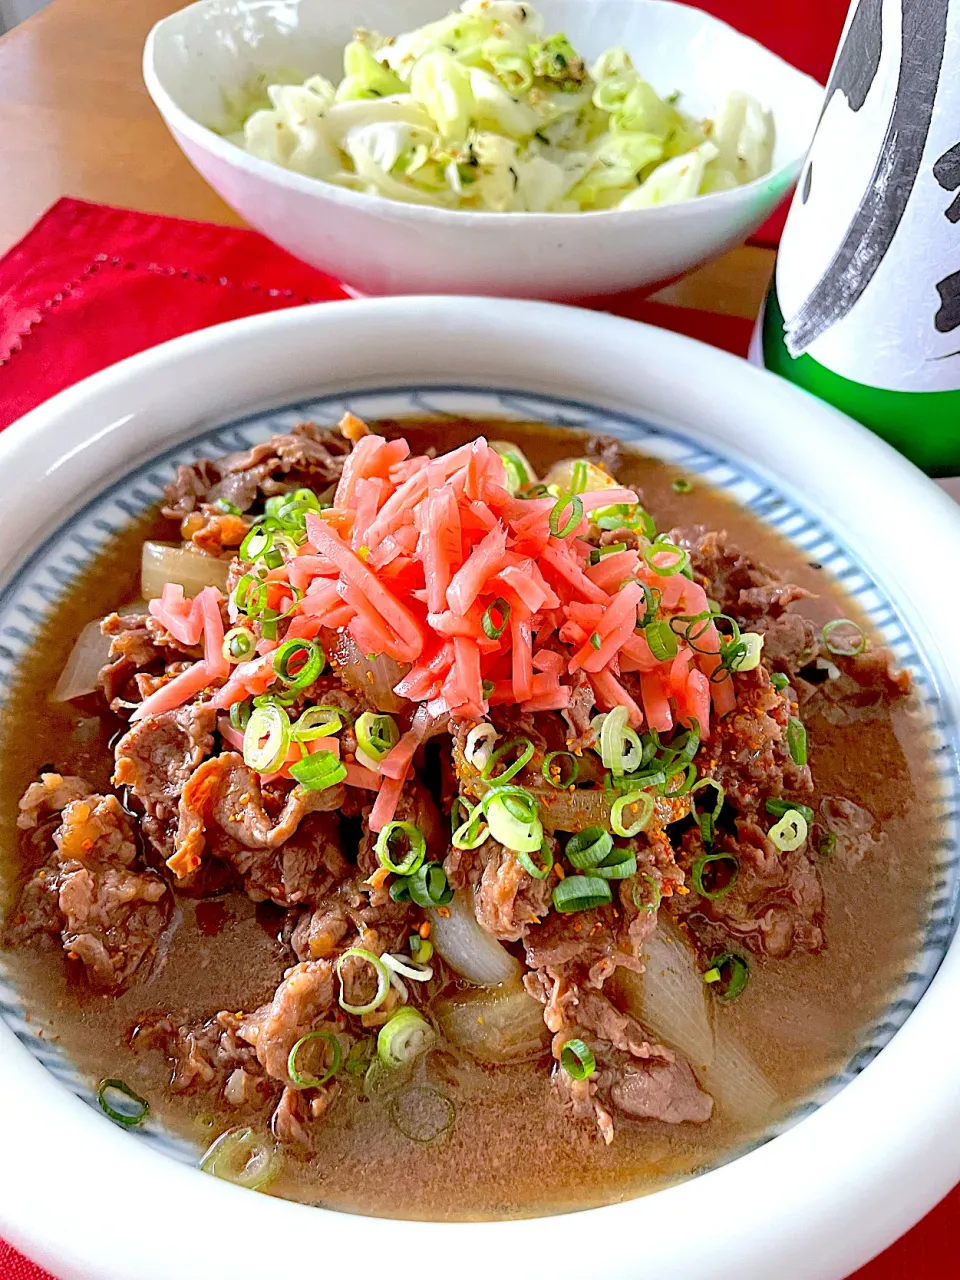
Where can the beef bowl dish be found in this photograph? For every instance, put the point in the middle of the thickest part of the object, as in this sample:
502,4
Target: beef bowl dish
404,794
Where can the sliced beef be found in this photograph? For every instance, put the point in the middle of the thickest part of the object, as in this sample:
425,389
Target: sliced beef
156,759
506,897
299,1108
223,805
753,762
415,805
607,452
875,669
108,914
579,712
302,1000
595,943
139,646
309,456
205,1056
303,869
659,1089
776,905
49,796
858,834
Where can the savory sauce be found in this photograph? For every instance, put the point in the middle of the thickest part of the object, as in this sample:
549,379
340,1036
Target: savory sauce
512,1150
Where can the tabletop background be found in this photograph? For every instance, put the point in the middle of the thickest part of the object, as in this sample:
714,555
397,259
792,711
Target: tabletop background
76,120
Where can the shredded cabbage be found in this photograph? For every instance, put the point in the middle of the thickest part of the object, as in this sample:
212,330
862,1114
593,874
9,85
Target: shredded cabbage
481,110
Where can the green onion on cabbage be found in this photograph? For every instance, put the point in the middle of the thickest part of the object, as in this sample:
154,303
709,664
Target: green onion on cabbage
482,111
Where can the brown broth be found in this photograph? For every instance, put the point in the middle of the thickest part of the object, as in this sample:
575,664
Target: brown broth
511,1152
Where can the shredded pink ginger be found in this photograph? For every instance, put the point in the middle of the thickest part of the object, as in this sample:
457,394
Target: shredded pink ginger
414,557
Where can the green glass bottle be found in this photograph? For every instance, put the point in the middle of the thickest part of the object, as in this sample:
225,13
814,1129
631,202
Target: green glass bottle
864,310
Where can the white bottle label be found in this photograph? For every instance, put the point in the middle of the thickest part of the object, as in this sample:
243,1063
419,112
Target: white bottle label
868,275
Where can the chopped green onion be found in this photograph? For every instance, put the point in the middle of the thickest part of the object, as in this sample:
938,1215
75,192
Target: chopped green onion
238,644
298,663
779,681
662,640
319,771
675,565
633,800
416,848
532,869
487,688
495,618
358,1059
790,832
536,491
649,907
707,820
228,508
558,780
797,742
240,714
846,645
422,1113
575,506
588,848
827,843
511,771
243,1157
597,554
581,893
118,1101
778,808
577,1060
749,649
737,977
304,1080
266,739
317,722
595,640
517,474
257,541
679,780
578,477
726,861
404,1038
620,748
514,818
652,596
379,968
620,865
376,734
682,485
687,746
421,948
472,832
428,887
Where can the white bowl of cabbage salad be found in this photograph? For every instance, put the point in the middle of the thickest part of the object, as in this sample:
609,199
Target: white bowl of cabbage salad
563,150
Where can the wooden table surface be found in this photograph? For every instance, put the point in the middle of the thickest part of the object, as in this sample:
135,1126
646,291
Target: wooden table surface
77,121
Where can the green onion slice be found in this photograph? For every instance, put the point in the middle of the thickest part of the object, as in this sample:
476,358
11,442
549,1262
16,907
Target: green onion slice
472,831
379,968
749,650
539,873
257,541
317,722
422,1113
597,554
554,774
651,604
779,681
778,808
358,1059
416,847
319,771
240,714
266,739
581,893
730,973
679,780
578,477
118,1101
377,734
677,564
657,897
797,742
790,832
682,485
639,802
304,1079
404,1038
577,1060
727,862
844,637
562,504
827,842
588,848
238,644
524,757
495,618
428,887
620,865
299,662
707,819
620,748
514,818
243,1157
662,640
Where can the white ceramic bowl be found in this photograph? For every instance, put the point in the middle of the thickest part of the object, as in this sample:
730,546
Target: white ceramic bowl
378,246
84,1197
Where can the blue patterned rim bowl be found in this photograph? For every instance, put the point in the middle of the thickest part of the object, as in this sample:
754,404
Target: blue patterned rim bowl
878,1144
